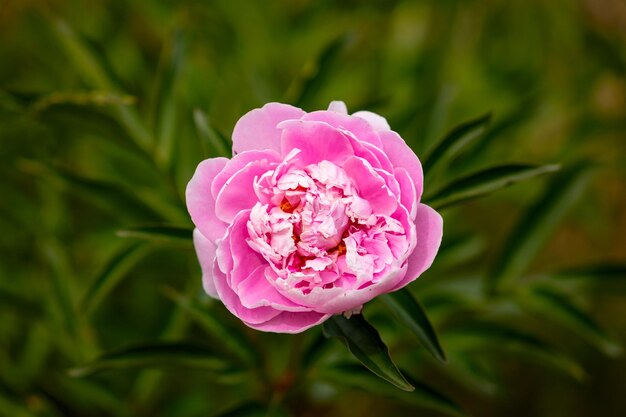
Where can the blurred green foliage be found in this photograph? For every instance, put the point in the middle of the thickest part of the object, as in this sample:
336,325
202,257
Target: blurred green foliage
106,107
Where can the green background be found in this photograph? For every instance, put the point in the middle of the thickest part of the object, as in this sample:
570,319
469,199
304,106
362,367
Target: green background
106,107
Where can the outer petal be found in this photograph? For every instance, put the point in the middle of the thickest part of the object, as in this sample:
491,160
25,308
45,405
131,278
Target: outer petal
338,107
238,193
359,127
257,128
429,230
288,322
250,316
408,196
256,291
239,161
318,141
378,122
205,249
401,155
200,201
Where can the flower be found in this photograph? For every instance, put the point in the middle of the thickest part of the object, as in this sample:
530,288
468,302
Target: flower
315,214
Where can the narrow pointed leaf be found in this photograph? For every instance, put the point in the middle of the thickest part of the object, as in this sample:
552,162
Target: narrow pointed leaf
233,340
409,311
556,307
160,234
213,142
157,355
364,342
87,64
355,376
454,141
485,182
490,340
113,272
537,224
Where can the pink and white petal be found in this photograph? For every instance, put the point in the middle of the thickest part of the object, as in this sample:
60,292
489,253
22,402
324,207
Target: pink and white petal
245,259
408,196
238,193
205,249
371,186
238,162
257,128
250,316
429,231
200,202
289,322
380,156
359,127
378,122
402,156
317,141
338,106
256,291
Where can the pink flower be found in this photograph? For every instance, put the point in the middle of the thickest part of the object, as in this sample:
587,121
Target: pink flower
315,214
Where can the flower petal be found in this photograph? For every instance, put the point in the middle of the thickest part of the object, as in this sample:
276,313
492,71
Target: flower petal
401,155
376,121
238,162
200,201
408,196
257,128
288,322
429,230
317,141
359,127
256,291
205,249
338,106
238,193
250,316
371,186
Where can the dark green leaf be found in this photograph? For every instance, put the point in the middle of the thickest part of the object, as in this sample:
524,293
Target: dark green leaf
86,63
556,307
213,142
365,344
409,311
233,340
114,271
160,234
454,141
157,355
422,395
489,340
537,224
103,194
485,182
165,100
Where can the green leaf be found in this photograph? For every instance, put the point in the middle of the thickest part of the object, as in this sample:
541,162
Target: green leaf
165,101
114,271
233,340
484,182
86,63
156,355
490,340
556,307
213,142
106,195
454,141
422,395
409,311
536,225
365,344
160,234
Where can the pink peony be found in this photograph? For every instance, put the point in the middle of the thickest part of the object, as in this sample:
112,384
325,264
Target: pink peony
315,214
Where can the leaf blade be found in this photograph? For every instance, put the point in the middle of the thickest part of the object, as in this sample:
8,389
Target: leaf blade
410,312
484,182
364,342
